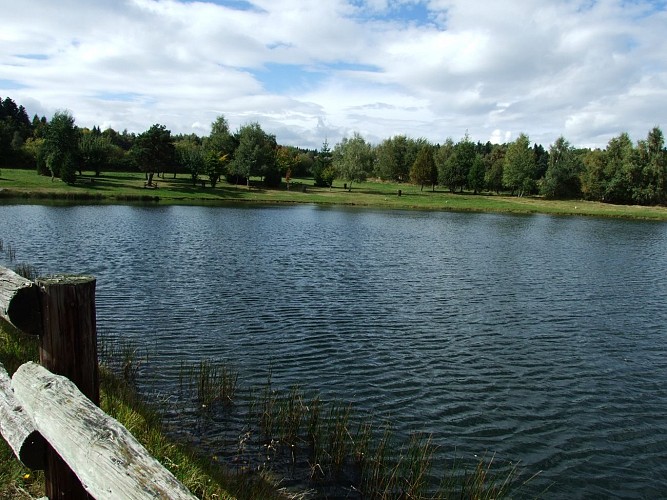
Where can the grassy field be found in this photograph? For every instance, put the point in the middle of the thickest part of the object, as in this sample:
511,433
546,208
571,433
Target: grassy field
123,187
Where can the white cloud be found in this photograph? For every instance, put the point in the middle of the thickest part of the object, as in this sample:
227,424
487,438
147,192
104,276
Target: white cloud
587,70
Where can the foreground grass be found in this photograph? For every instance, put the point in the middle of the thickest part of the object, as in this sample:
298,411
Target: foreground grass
122,187
120,401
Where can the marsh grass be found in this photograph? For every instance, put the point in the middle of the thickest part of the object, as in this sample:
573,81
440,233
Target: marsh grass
291,413
199,475
28,271
208,382
11,253
122,357
338,437
329,447
334,450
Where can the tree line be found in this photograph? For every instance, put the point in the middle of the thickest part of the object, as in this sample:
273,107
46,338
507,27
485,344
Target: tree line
624,172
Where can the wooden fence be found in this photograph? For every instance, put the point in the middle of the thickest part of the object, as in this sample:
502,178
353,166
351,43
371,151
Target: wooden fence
49,414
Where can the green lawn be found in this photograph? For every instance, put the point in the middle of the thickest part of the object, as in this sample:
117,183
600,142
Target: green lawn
122,187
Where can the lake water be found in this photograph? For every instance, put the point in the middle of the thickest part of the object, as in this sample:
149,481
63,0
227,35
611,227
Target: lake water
541,339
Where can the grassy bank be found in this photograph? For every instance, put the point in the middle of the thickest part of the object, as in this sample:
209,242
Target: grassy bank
122,187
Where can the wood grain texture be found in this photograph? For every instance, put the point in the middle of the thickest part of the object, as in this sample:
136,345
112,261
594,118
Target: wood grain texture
68,347
107,459
18,428
19,302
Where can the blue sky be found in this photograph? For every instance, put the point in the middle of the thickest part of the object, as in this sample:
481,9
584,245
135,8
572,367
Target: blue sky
314,70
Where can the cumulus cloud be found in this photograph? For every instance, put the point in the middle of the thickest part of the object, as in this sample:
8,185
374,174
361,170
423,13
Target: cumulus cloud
307,71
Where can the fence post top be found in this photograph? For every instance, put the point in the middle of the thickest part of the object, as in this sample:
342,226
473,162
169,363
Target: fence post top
65,279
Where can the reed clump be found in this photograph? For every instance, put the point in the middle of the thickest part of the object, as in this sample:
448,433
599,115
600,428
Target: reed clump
28,271
329,449
11,252
122,356
210,382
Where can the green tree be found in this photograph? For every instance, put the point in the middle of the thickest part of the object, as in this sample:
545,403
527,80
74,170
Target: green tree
304,165
61,147
652,158
96,152
287,160
519,167
323,170
476,175
442,157
190,157
395,157
458,165
153,151
494,165
423,169
15,129
562,178
621,172
220,141
353,159
593,178
541,161
34,150
255,155
214,166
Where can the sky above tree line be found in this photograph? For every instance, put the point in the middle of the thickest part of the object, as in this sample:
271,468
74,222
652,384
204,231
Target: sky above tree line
309,70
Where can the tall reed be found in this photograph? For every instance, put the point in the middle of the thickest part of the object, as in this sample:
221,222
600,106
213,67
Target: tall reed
28,271
209,382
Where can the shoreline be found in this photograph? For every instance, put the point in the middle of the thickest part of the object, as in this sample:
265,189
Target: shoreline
118,188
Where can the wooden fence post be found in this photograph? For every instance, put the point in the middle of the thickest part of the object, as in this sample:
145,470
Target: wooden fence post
68,347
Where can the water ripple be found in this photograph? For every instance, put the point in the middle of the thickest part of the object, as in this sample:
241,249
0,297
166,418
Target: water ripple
541,339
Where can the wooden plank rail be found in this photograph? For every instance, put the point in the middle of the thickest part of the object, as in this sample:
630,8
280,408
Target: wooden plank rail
18,428
51,418
19,302
103,454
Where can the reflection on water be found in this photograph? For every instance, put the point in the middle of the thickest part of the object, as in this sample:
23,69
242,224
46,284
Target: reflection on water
539,338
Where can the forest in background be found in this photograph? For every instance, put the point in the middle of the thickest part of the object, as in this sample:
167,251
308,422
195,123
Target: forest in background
622,173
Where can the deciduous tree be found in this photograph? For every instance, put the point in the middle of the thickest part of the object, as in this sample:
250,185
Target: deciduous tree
564,168
255,155
190,157
96,151
652,158
620,171
476,175
455,170
353,159
61,147
442,156
519,166
154,151
423,169
494,164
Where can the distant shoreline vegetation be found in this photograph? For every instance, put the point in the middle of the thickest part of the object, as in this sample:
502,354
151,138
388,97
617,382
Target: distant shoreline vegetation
24,187
621,174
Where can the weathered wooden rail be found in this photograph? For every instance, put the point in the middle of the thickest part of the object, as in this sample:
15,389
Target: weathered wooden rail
49,414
